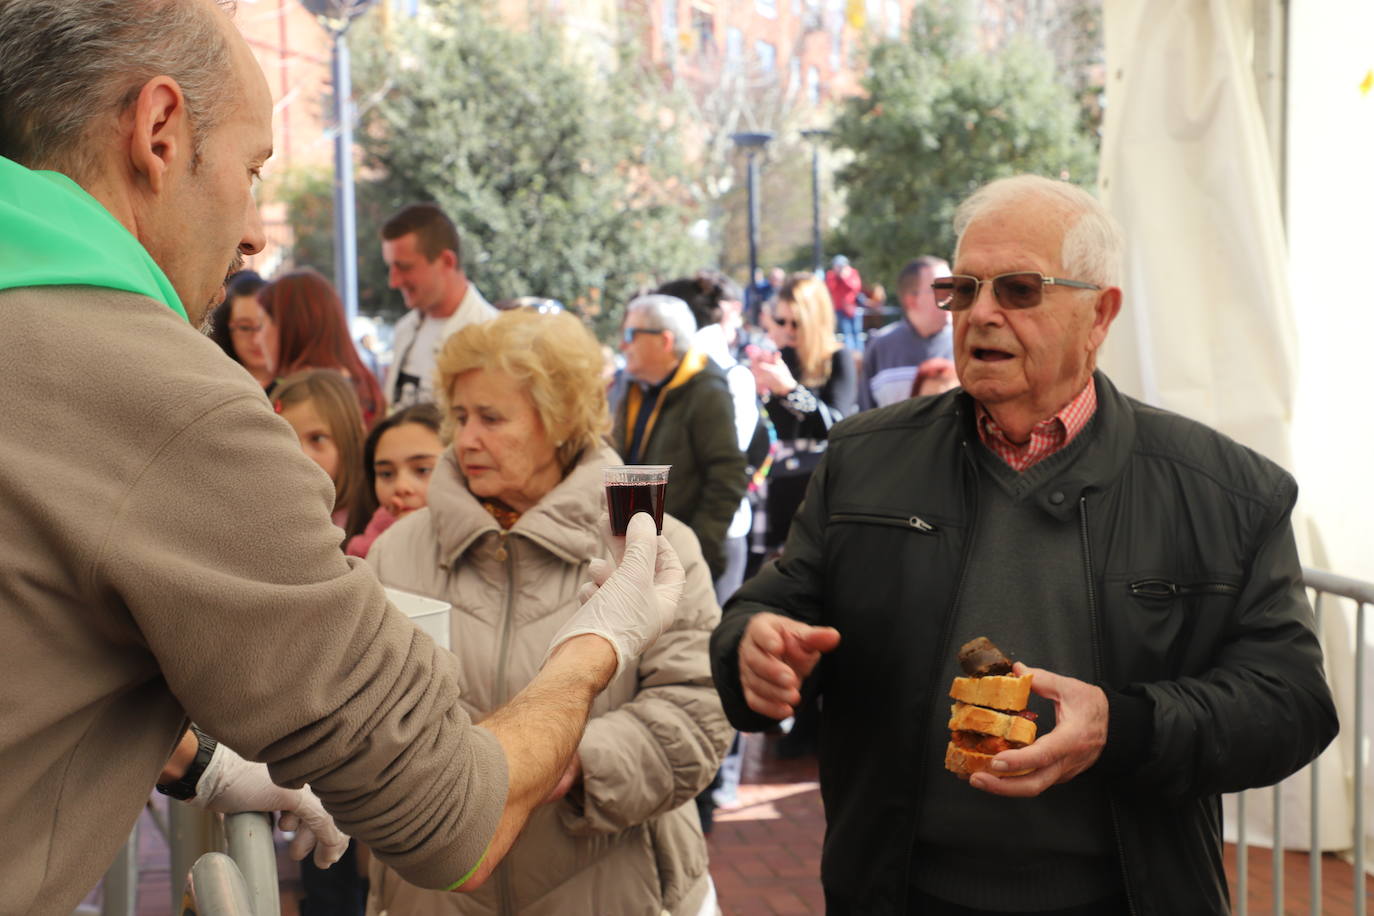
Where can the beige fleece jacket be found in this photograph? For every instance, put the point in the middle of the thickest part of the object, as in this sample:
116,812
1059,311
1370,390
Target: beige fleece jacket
628,840
169,553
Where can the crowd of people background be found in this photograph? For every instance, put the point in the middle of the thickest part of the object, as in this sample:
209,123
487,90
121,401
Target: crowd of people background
740,411
206,586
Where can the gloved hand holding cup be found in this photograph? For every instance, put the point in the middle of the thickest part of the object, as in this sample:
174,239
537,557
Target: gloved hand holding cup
632,603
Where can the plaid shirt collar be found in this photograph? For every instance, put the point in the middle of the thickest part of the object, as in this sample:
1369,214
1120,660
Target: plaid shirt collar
1048,436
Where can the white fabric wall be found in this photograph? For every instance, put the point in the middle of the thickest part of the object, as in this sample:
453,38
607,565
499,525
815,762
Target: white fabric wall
1207,326
1330,201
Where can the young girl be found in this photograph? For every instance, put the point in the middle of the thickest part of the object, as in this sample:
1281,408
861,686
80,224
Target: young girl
398,459
322,408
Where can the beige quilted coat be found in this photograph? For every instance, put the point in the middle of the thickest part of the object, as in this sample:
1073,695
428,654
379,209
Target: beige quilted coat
629,841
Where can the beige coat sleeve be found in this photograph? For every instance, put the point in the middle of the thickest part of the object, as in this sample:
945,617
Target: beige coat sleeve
663,747
288,652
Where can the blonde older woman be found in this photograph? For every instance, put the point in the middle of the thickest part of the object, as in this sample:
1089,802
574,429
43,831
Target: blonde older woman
513,520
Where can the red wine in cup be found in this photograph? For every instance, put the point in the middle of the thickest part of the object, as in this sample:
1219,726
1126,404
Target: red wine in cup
625,499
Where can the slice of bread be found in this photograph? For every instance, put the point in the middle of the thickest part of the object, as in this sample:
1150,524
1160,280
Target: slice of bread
966,718
964,763
996,692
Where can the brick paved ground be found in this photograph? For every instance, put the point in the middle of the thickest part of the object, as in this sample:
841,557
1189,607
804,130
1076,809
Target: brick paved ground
765,853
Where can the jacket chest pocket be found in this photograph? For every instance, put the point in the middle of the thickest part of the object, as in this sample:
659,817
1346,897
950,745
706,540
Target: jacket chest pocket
1168,619
888,574
913,523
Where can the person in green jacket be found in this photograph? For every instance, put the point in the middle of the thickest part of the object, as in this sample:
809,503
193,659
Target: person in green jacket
678,410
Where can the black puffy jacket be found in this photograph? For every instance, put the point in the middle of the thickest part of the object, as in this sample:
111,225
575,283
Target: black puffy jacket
1199,620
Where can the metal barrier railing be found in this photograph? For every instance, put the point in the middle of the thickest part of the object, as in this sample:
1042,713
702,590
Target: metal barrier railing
242,883
1325,585
215,887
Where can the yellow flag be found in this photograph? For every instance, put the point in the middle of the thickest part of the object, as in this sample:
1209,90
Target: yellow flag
855,14
1367,83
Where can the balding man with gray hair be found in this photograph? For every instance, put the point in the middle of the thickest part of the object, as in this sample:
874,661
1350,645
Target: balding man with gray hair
145,584
1143,563
678,410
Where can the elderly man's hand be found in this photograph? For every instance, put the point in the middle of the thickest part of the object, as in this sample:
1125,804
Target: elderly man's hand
775,656
1073,745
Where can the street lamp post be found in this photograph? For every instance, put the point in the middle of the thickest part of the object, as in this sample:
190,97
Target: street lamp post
816,135
336,16
753,144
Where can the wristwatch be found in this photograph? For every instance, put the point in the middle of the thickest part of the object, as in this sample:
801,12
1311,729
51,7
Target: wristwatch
185,787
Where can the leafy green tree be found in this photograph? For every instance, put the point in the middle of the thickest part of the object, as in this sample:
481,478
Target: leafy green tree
938,117
561,185
308,195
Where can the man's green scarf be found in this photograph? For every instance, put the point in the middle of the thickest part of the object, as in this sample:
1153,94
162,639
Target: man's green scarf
53,233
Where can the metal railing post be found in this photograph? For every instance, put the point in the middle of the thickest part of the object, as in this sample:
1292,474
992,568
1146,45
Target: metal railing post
1314,853
249,838
215,887
120,895
192,832
1277,850
1242,859
1359,882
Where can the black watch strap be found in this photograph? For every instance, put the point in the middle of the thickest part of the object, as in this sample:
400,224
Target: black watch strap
185,787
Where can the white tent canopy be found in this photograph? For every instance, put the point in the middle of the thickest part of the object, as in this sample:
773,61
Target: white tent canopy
1231,316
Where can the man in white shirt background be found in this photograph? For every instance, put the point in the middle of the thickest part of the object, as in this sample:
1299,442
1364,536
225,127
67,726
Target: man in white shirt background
424,260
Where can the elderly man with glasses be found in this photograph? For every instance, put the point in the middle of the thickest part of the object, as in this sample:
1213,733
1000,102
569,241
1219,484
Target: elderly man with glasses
1143,563
677,409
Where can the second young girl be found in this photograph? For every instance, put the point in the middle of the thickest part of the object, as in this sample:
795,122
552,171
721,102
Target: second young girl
398,459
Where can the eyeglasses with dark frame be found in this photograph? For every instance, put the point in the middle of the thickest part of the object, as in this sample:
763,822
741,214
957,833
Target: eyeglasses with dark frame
1022,289
631,333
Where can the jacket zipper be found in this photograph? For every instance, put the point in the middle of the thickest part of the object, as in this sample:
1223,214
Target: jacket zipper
1163,588
1097,676
914,522
946,631
507,897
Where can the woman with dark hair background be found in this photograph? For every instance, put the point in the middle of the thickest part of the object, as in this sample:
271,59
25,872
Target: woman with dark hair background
310,332
240,325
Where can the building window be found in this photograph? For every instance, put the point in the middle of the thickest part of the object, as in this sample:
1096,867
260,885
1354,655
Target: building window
734,47
704,31
813,85
793,75
767,55
670,22
768,8
405,7
894,19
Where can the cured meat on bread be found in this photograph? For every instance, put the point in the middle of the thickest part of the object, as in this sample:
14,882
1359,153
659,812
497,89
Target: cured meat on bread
1019,730
989,715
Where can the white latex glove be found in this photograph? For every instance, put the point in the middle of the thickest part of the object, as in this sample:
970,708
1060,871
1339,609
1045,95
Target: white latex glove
632,604
231,784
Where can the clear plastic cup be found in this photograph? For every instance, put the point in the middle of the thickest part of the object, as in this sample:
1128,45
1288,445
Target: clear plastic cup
635,488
